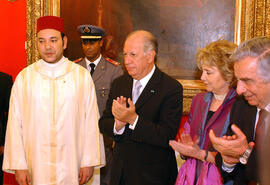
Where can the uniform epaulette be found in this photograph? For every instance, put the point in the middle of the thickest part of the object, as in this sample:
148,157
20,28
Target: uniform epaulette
78,60
113,62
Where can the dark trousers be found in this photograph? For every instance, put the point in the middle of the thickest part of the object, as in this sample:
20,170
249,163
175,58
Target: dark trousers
122,179
105,172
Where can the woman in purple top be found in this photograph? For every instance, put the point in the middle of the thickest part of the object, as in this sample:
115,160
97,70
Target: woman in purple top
209,110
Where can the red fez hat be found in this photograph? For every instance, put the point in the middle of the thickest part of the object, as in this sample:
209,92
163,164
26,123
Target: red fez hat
50,22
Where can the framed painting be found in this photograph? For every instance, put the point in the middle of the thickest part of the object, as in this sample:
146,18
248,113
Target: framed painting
181,26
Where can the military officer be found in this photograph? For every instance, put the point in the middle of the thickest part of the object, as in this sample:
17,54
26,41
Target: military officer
103,71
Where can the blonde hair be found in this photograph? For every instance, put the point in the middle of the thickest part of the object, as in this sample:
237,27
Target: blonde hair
218,54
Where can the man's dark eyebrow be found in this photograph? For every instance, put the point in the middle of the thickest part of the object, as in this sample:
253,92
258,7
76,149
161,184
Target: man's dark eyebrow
53,37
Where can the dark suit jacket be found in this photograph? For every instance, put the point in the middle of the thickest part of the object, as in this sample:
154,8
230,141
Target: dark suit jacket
244,116
5,88
143,155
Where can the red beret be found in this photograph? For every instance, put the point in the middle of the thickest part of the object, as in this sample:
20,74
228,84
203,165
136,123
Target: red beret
50,22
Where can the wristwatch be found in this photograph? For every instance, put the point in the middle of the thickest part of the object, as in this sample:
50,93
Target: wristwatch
244,157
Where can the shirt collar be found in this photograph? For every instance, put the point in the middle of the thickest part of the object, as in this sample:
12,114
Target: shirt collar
53,65
95,62
145,79
53,70
267,108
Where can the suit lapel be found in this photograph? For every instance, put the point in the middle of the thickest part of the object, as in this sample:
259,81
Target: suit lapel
100,69
128,87
150,89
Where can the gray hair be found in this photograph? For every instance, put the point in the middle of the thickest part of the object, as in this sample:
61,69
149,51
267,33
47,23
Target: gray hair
259,49
150,41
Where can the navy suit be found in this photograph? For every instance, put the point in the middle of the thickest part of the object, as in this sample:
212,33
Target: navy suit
143,156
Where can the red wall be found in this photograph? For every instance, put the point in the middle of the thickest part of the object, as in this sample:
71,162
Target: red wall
12,45
12,36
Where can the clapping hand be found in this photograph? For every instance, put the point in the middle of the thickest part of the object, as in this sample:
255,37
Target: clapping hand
123,113
234,145
186,146
231,147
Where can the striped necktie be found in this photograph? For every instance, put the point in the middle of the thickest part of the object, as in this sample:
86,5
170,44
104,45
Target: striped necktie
136,91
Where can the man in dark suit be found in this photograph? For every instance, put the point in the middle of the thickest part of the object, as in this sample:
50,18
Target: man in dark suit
5,88
243,116
238,158
142,114
103,71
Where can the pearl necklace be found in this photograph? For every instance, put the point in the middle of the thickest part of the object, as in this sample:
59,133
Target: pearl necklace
220,97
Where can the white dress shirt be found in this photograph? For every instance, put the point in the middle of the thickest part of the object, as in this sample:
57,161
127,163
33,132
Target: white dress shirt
144,82
95,62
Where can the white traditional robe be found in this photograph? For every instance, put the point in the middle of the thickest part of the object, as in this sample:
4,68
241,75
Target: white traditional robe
53,123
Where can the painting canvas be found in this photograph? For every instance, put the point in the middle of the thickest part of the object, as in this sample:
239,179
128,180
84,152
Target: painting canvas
181,27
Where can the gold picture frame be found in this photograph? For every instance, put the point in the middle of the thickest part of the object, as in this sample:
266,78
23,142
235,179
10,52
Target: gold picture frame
252,18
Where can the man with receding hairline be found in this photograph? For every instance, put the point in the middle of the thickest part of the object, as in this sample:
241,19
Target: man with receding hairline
241,149
142,114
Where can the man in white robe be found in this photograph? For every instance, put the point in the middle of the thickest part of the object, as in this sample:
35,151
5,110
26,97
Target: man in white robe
52,133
